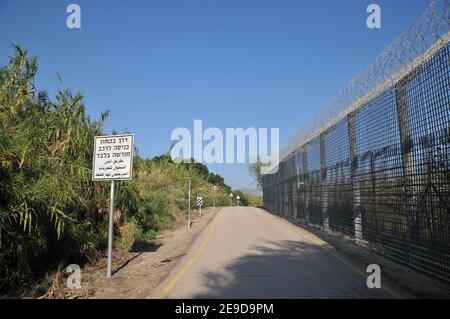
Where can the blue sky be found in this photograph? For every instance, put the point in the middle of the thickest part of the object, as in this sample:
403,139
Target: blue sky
159,65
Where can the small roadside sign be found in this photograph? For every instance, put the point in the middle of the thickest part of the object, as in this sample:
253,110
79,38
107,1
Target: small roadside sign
214,200
199,201
113,157
200,204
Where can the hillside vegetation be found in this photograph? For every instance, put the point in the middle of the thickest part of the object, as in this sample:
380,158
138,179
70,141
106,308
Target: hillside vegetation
51,213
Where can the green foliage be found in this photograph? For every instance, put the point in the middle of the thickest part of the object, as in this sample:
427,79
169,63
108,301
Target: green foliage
201,169
255,200
255,171
247,199
50,210
243,201
47,199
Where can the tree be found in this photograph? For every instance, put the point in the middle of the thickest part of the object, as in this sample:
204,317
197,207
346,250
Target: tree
243,198
255,172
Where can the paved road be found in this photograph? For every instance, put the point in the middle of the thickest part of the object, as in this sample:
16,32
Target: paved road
249,253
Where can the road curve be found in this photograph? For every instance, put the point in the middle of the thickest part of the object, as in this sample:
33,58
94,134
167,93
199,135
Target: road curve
249,253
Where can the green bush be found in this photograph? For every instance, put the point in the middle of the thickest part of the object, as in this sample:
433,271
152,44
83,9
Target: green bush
51,213
48,205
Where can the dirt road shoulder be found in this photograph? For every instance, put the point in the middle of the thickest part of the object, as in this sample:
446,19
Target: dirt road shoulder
137,272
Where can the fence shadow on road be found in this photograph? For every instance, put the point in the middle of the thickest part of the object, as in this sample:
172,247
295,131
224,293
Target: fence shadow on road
286,269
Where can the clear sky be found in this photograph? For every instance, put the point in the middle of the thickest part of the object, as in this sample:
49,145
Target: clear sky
159,65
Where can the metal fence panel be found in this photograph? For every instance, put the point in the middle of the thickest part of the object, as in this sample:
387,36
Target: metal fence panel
381,173
337,181
313,183
427,172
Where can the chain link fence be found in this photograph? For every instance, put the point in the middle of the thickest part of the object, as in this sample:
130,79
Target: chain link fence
374,165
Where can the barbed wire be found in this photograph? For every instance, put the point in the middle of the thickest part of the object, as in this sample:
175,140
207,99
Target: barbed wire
409,50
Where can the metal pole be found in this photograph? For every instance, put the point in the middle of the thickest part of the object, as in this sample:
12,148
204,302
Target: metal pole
324,191
110,231
356,185
189,206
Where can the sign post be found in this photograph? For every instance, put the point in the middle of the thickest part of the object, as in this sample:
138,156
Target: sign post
231,199
113,160
238,198
189,203
110,230
214,200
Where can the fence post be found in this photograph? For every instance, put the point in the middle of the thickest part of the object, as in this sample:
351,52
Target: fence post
306,183
323,186
407,160
356,188
294,185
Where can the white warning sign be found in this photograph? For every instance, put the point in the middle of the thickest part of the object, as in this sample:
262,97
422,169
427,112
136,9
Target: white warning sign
113,157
